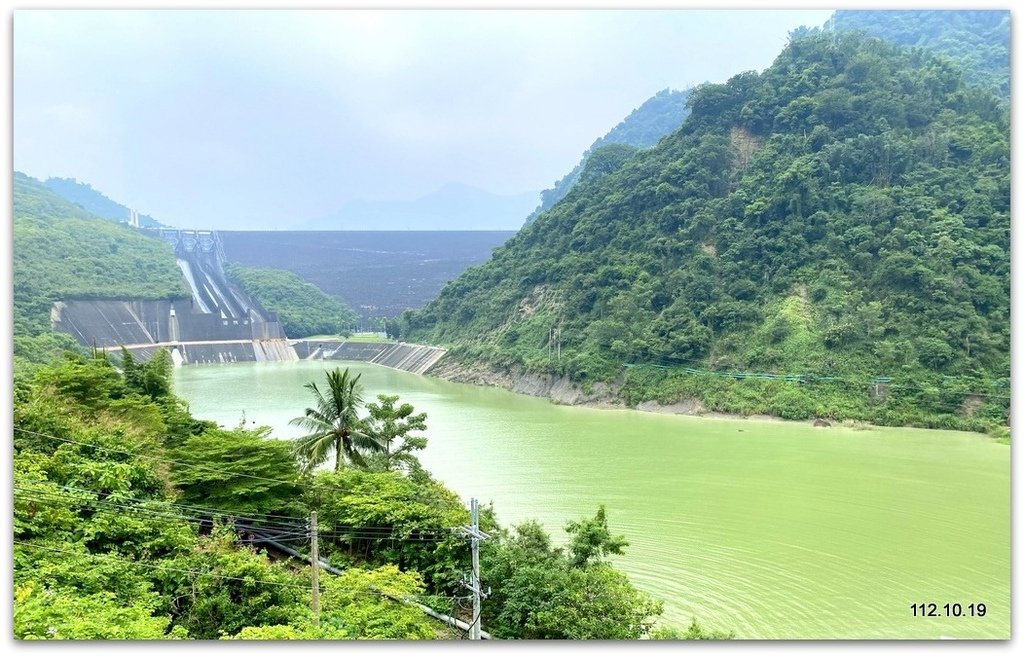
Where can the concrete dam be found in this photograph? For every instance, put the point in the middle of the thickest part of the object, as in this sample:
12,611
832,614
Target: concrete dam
218,323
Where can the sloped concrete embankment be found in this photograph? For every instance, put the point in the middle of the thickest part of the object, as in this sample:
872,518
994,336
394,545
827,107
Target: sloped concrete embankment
338,349
401,356
410,357
211,353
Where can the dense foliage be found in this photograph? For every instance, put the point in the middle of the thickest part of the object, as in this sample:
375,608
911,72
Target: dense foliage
93,201
658,116
110,542
61,251
978,39
541,592
842,216
302,308
133,520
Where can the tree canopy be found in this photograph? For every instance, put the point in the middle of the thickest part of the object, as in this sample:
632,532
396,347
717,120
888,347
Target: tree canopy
840,217
302,308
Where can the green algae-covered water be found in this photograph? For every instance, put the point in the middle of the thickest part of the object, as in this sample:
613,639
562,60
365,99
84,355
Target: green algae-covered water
769,529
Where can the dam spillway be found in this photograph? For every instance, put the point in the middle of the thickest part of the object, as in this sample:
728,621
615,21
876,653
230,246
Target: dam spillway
217,323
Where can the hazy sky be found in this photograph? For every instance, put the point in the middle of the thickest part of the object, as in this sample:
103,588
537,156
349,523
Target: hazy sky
265,119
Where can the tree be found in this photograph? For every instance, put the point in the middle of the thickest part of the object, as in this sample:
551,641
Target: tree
538,594
591,540
694,632
41,613
221,587
334,424
152,378
242,471
385,424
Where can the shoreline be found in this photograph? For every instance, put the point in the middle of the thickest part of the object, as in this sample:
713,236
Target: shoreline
603,396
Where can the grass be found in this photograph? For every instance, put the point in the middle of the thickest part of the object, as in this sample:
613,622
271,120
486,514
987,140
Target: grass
355,337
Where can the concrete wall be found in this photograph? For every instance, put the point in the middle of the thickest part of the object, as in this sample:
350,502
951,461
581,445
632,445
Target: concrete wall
221,352
217,312
338,349
114,323
406,357
410,357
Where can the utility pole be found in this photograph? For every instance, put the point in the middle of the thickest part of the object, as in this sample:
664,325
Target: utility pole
314,552
475,536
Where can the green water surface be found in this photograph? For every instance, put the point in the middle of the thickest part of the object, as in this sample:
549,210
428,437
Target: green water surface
768,529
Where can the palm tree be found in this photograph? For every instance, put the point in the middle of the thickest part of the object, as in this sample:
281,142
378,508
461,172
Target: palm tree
334,424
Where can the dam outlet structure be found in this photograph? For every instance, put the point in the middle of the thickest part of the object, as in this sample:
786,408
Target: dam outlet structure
217,323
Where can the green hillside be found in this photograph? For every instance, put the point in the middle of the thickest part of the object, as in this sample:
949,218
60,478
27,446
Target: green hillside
303,308
979,40
842,216
658,116
61,251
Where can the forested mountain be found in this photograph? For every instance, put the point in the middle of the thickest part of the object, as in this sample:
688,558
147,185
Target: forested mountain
61,251
979,40
658,116
303,308
454,206
842,216
95,202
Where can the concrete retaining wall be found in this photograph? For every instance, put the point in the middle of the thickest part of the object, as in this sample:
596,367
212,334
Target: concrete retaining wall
213,353
401,356
409,357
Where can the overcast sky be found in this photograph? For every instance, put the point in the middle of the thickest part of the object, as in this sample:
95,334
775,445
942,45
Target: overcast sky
265,119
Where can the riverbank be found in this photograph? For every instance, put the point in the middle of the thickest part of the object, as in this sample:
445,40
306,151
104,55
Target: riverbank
615,395
561,390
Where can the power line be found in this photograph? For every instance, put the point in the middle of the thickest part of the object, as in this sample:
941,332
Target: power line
54,498
151,566
50,496
184,507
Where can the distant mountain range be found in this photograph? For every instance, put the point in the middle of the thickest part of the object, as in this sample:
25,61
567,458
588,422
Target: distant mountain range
454,206
83,195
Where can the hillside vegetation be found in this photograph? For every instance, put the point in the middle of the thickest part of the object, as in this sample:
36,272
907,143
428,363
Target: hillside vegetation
979,40
61,251
842,216
302,308
658,116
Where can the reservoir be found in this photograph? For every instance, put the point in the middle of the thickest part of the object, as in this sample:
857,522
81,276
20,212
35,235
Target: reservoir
768,529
